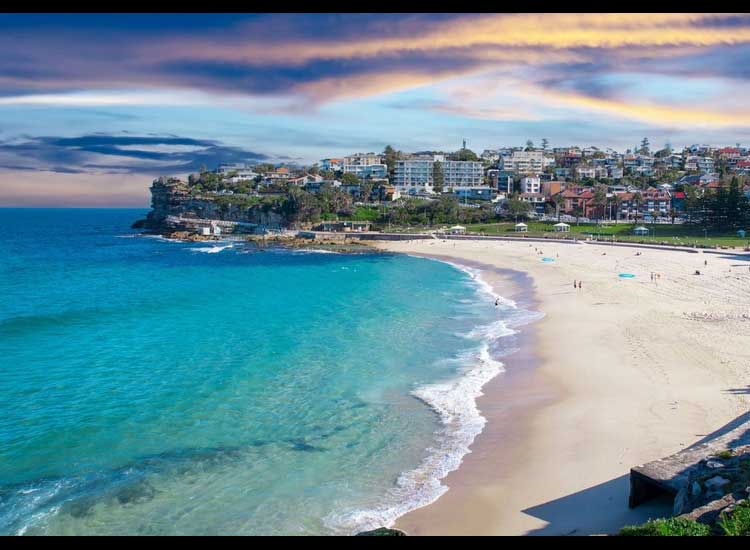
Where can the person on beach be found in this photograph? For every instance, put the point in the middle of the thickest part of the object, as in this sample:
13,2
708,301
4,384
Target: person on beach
705,262
575,285
579,285
497,301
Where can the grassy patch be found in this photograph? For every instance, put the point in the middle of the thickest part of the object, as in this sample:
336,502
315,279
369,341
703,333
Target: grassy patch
725,454
672,527
673,234
738,523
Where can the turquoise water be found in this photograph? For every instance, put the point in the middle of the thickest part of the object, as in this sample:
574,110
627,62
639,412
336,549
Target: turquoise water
156,387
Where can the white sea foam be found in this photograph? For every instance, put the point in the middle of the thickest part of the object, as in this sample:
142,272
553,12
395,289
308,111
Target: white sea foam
315,251
212,250
455,403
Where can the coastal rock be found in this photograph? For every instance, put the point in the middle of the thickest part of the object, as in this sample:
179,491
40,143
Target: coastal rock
714,464
381,532
681,502
716,482
696,489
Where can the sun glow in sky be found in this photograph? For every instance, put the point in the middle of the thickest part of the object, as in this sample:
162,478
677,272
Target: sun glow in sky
93,106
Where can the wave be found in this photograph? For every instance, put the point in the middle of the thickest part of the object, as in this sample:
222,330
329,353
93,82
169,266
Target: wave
211,250
315,251
455,402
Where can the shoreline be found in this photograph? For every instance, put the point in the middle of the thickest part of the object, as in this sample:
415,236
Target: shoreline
555,454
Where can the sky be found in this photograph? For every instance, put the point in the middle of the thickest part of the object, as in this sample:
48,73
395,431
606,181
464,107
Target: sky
93,106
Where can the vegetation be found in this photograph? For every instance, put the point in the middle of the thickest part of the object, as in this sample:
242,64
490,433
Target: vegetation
726,208
734,524
683,234
672,527
737,524
463,154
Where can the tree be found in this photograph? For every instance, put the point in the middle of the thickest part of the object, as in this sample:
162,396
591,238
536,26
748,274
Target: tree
464,154
437,177
545,143
644,150
366,191
390,156
600,200
350,179
529,145
517,207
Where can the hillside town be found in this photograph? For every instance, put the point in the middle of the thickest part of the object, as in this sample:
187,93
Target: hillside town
699,184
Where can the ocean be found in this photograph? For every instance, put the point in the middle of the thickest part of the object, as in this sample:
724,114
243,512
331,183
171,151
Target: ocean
156,387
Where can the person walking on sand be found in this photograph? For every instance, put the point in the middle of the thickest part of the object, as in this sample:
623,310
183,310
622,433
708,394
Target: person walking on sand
575,285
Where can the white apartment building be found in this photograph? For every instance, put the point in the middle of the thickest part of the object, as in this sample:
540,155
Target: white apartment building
527,162
363,159
413,176
531,185
363,171
462,173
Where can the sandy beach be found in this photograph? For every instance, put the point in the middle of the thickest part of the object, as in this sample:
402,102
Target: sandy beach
617,373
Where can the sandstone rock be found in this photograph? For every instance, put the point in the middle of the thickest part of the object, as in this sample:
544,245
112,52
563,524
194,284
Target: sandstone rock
714,464
696,489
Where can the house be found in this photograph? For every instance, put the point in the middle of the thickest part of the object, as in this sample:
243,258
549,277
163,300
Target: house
306,179
537,201
475,193
578,199
331,165
343,226
678,201
531,184
502,180
550,188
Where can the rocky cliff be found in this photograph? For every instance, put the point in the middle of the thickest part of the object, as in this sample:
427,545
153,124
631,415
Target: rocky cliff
172,197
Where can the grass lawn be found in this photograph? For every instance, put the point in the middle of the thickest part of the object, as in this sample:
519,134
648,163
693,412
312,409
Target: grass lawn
659,233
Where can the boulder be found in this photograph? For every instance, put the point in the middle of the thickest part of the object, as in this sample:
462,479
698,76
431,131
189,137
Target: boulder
381,532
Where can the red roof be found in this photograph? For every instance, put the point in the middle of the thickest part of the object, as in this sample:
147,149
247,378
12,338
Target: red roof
680,195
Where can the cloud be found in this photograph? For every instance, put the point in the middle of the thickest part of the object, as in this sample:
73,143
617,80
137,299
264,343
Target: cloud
119,154
324,57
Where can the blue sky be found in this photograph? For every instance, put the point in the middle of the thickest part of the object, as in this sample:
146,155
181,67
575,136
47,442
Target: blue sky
93,106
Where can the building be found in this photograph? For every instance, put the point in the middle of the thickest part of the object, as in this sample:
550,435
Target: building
364,171
363,159
345,226
475,193
531,184
502,180
331,165
462,173
527,162
536,200
414,176
550,188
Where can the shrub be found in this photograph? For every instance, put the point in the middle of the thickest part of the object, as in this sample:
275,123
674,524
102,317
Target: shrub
737,524
672,527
